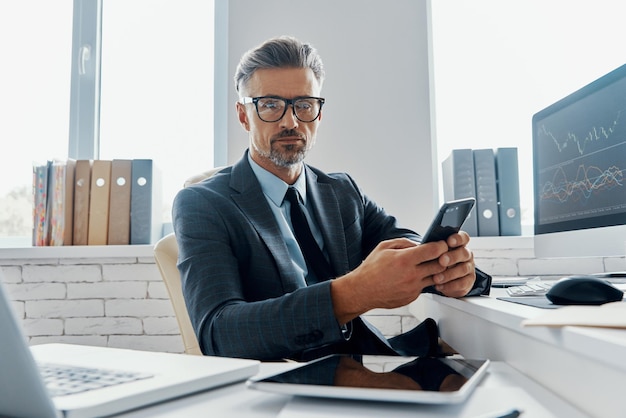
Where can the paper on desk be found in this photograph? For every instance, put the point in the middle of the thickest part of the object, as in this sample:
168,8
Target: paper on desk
609,315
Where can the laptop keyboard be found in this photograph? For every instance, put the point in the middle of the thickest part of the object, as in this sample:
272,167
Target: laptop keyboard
67,380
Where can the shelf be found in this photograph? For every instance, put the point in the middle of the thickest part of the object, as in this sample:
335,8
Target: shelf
78,251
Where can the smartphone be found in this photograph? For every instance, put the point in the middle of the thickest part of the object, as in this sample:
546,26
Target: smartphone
449,219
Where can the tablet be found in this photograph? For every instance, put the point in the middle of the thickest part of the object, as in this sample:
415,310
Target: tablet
428,380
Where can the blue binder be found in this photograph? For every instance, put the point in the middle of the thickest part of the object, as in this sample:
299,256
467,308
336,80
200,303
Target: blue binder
458,183
486,193
508,191
145,203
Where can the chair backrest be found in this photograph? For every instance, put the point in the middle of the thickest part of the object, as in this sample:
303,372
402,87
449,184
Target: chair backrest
202,176
166,256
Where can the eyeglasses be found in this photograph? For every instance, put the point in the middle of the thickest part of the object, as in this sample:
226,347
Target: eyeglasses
273,108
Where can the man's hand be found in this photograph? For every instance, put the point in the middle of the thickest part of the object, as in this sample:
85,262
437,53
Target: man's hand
459,275
394,274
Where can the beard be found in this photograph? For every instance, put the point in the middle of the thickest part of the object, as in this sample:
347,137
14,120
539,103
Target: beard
286,155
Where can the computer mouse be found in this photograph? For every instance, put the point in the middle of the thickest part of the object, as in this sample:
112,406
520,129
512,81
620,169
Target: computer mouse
583,290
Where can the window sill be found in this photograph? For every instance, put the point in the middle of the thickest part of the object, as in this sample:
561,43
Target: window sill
114,251
78,251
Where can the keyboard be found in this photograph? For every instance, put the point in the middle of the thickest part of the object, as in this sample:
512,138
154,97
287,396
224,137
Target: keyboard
64,380
530,288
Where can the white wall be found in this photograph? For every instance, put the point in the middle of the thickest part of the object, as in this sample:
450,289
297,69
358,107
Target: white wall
377,118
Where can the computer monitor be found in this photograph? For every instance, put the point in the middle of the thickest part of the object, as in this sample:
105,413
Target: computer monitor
579,165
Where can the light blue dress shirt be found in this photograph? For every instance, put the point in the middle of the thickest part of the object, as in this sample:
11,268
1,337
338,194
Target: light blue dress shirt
274,190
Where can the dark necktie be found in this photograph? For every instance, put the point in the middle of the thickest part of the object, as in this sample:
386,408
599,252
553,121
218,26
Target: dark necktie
313,256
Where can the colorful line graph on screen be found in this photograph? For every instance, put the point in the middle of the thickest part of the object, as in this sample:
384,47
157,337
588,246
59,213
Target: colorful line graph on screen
592,134
588,182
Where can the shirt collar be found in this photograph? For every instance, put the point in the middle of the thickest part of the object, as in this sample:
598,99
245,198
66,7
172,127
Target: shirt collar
273,187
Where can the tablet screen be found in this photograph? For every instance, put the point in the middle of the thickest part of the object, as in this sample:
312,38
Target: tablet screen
422,380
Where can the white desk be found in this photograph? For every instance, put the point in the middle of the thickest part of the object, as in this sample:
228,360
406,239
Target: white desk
503,388
585,366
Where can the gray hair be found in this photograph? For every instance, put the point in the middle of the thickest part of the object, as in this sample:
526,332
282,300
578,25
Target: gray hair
280,52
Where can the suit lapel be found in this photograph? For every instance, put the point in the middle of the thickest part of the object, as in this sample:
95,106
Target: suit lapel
250,199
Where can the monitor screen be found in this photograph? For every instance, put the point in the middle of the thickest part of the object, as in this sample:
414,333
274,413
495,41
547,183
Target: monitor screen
579,158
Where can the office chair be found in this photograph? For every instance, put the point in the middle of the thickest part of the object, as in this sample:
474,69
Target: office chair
166,256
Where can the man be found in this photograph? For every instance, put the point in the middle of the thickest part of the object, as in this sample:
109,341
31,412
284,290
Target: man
250,289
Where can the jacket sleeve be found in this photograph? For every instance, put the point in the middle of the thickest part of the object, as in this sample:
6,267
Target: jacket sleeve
482,285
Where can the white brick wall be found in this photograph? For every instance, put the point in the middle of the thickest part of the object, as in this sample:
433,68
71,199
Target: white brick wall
105,301
507,259
115,296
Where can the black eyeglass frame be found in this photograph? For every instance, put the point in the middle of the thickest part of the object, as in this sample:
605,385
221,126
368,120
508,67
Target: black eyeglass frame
255,101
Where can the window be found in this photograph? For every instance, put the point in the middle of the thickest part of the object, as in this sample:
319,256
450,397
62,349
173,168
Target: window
156,93
157,87
35,42
497,63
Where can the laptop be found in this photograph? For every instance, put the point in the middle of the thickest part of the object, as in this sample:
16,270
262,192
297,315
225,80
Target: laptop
427,380
149,377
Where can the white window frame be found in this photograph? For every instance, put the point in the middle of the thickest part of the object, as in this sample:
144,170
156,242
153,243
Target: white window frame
84,132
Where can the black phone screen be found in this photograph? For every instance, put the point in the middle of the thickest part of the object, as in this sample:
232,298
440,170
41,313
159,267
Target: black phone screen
449,220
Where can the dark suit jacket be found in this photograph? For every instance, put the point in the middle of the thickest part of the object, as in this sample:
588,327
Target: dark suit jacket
243,295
